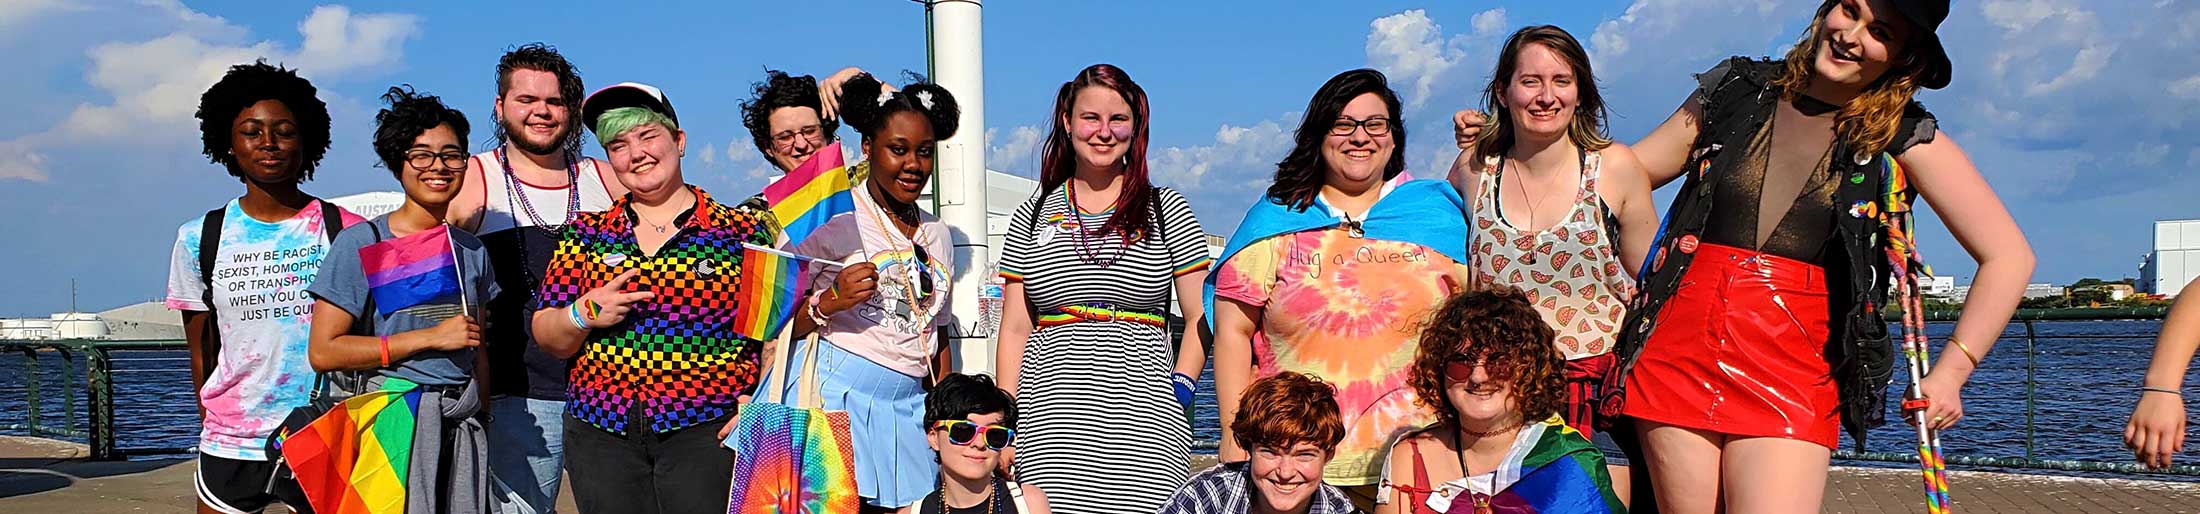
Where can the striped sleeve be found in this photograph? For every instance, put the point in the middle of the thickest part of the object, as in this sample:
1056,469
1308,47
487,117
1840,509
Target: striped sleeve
1020,241
1186,239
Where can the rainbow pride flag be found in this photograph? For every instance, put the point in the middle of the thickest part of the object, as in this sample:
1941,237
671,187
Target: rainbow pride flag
353,460
810,195
770,290
789,460
1561,474
410,270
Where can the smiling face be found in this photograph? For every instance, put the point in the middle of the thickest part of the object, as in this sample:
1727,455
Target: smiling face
264,138
1358,154
1100,127
796,133
646,158
537,118
435,167
1482,399
1859,41
1542,96
901,157
1285,479
973,461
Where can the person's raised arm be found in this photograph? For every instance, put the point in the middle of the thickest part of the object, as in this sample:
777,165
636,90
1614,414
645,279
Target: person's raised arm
1626,189
2156,432
1664,153
1947,181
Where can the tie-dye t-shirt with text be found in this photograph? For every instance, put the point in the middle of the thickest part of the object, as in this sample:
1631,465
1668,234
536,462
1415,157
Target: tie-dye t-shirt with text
262,311
1349,310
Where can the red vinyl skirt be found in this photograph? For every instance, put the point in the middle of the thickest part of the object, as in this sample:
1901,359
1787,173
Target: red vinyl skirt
1740,349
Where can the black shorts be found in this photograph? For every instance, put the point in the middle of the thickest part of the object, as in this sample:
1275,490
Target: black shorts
245,486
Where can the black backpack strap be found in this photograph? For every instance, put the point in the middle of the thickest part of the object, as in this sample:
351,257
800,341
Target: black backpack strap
332,219
210,241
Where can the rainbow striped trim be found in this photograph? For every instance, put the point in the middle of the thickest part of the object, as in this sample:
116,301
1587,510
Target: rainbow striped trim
1080,313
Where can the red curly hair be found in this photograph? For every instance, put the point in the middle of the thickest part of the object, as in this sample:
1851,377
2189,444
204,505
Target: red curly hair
1500,328
1286,409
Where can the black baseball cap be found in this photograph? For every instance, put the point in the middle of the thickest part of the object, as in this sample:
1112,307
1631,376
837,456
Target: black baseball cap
1926,15
625,94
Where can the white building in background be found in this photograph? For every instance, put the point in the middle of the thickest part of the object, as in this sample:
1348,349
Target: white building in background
1941,286
370,204
2175,259
2032,291
144,321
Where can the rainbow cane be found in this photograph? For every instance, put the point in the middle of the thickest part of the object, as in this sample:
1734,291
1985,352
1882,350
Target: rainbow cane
1901,254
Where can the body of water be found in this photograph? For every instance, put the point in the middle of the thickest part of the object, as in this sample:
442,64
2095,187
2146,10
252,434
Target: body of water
2088,373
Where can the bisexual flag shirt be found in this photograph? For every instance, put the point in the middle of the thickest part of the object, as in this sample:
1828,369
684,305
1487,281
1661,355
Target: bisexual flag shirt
344,283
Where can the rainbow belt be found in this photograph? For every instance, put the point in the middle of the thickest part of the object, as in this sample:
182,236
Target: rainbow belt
1099,312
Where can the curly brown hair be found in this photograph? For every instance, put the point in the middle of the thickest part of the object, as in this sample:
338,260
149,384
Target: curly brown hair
1500,328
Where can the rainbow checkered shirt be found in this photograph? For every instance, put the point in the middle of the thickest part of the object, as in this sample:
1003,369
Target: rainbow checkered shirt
675,357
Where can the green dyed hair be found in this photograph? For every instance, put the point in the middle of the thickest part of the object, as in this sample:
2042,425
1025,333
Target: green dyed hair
617,121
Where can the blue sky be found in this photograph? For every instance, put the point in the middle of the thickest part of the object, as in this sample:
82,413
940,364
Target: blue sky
2081,113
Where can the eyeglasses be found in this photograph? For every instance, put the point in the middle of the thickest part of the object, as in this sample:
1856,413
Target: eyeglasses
924,279
1375,126
961,433
786,137
422,159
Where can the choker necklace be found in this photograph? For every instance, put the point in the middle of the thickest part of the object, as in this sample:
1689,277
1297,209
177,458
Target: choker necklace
1499,430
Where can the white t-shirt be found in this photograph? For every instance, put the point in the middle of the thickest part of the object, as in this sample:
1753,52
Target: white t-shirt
895,328
263,314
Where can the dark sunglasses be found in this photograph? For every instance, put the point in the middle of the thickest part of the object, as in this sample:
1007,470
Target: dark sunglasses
1462,370
924,279
960,433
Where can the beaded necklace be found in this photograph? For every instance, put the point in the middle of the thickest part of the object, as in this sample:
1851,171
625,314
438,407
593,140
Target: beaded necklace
1084,243
572,191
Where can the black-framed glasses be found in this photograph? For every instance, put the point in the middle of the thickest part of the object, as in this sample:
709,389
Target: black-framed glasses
422,159
962,432
1375,126
786,137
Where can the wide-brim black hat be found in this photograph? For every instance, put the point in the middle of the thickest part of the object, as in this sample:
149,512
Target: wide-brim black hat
1925,16
625,94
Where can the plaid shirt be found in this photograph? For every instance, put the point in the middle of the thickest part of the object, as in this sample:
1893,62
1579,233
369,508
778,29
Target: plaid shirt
675,357
1227,489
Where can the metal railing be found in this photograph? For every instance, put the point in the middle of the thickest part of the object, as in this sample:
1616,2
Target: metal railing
87,374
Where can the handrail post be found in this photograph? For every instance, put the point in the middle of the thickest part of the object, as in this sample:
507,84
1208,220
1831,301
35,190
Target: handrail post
30,371
68,389
2031,374
101,396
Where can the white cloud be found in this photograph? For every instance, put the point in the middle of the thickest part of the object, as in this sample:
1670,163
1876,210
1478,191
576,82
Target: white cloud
1240,157
155,84
18,161
1409,47
1653,35
1018,153
741,151
2188,88
710,155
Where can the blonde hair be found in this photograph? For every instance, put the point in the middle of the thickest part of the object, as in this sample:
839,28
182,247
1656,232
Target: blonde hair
1868,122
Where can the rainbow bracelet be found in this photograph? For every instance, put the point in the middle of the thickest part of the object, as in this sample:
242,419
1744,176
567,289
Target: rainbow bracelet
579,322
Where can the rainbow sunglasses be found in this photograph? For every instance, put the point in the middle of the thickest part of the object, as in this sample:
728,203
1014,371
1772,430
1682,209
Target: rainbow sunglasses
962,432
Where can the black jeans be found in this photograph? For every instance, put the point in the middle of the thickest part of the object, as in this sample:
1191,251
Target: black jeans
685,471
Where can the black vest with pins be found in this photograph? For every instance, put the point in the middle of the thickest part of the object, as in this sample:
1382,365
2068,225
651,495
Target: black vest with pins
1738,98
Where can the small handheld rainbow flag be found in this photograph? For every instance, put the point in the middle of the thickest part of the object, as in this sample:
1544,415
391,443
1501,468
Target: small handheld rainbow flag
355,458
772,283
810,195
410,270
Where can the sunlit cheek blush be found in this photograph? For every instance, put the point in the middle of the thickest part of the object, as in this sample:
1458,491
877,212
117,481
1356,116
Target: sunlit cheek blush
1085,130
1122,132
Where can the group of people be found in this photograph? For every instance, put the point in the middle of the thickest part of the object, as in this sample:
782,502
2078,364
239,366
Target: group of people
1520,334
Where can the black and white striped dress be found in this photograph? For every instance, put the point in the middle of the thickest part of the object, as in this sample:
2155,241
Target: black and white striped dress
1098,427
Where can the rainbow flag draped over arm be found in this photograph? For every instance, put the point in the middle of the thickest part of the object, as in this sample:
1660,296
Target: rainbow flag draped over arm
410,270
354,458
810,195
1561,474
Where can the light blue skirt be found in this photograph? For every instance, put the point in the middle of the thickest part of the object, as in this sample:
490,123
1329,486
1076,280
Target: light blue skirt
894,466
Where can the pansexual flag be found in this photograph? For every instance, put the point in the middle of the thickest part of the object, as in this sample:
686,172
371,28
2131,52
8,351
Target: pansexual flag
771,289
810,195
410,270
355,458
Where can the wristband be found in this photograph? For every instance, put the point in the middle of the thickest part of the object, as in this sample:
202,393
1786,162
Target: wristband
2152,389
1184,387
817,317
385,351
574,312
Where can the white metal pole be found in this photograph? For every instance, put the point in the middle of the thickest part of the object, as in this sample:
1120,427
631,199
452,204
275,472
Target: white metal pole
958,64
